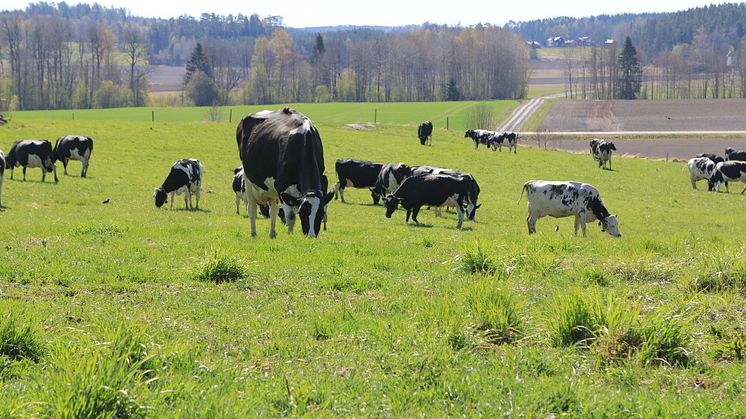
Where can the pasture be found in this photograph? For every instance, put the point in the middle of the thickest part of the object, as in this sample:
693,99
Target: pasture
122,309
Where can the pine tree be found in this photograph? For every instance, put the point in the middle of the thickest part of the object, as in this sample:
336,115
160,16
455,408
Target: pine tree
630,74
452,93
197,62
318,49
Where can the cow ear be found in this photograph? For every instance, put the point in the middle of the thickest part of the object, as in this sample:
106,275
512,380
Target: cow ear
289,199
328,197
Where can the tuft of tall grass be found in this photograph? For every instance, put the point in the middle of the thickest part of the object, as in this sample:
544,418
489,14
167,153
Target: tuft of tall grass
220,268
664,342
573,320
721,275
19,341
477,261
496,313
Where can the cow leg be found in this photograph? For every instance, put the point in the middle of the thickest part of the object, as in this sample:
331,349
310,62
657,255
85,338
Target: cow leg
274,209
531,221
460,213
199,190
85,166
64,165
173,194
694,182
24,174
238,202
744,188
342,194
11,173
409,213
187,199
335,189
54,170
289,219
726,187
577,225
415,211
437,211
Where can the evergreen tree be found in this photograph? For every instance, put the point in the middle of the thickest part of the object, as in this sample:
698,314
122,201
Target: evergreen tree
197,62
452,93
630,74
318,48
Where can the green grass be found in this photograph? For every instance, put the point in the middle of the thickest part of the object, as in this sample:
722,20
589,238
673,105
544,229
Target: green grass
375,317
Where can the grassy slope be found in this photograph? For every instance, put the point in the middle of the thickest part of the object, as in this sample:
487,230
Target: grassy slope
367,319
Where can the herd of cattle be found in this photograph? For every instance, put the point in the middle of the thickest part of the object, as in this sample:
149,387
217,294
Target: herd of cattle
282,173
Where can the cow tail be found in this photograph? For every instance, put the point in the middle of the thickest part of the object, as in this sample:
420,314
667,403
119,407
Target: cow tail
525,187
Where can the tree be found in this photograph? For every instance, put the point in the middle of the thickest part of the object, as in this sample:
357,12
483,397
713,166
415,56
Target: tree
202,89
452,93
630,74
197,62
136,50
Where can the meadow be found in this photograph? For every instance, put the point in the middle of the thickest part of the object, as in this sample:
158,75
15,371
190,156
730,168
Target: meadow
120,309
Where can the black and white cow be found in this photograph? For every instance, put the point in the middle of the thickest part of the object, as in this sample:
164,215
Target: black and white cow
601,150
481,136
240,189
357,174
186,178
731,154
472,195
32,153
2,174
498,141
74,147
435,190
390,177
283,161
563,199
712,156
425,133
700,168
729,171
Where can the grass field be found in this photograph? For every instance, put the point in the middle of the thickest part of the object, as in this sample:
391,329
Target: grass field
120,309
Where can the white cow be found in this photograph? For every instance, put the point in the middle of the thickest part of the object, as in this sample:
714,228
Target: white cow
700,168
563,199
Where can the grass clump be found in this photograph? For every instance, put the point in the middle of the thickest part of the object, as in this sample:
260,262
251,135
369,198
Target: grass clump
220,268
18,341
721,275
573,321
664,342
477,261
496,313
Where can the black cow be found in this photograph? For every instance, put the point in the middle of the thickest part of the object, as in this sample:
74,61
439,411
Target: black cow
32,153
425,133
729,171
731,154
185,177
480,136
712,156
390,177
435,190
240,189
74,147
471,197
283,160
2,173
357,174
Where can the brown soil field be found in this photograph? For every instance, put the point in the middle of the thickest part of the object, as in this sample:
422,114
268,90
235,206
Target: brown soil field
645,115
671,148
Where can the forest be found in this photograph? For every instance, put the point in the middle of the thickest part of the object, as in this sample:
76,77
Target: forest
58,56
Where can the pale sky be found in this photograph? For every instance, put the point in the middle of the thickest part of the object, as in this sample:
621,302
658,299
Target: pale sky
306,13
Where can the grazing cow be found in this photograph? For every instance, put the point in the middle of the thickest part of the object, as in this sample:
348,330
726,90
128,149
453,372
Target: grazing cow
186,178
3,121
435,190
712,156
700,168
390,177
601,151
425,133
74,147
2,173
240,189
731,154
729,171
480,136
357,174
563,199
32,153
499,140
283,161
472,195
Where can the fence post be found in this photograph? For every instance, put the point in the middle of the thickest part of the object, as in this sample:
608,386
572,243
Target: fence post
375,115
447,124
230,116
73,116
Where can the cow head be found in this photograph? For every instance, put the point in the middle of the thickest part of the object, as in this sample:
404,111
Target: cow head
310,208
611,225
471,210
390,202
729,150
161,197
468,133
611,145
713,183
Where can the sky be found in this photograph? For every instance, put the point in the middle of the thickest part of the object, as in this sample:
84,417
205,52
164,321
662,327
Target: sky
309,13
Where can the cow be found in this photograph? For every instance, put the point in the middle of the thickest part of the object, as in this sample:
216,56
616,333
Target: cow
712,156
700,168
480,136
435,190
563,199
390,177
425,133
357,174
731,154
472,195
601,151
240,189
728,171
32,153
498,141
74,147
186,178
283,162
2,174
